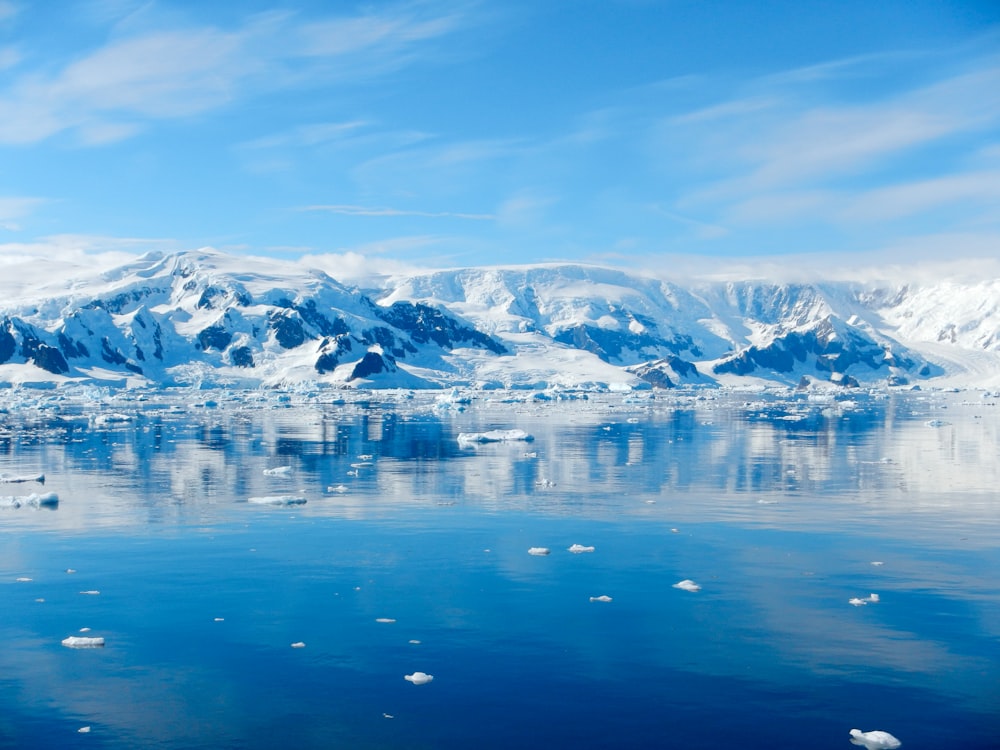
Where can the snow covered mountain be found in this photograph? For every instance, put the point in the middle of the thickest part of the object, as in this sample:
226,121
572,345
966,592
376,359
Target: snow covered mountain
210,318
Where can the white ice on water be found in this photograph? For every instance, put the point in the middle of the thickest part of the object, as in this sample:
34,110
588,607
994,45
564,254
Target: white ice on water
538,551
578,548
82,641
277,500
278,471
874,740
687,585
601,598
47,500
106,419
12,479
859,602
418,678
494,436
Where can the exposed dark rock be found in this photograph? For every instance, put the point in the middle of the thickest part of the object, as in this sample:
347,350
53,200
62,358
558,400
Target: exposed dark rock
372,364
241,356
214,337
8,345
288,329
424,323
111,356
615,344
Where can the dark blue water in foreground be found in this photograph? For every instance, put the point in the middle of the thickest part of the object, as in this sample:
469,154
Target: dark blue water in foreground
778,510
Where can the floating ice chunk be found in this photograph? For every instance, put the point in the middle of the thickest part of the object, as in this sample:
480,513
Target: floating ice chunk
578,548
687,585
105,419
414,642
418,678
538,551
675,531
278,471
48,500
341,488
277,500
936,423
23,579
92,592
362,465
11,479
70,570
877,563
494,436
874,740
219,619
384,619
601,598
387,716
870,599
298,644
82,641
83,730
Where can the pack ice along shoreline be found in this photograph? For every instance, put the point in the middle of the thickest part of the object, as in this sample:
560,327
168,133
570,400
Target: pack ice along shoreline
204,319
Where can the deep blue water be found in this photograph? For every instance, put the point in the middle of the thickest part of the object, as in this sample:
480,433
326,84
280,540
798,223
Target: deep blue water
777,509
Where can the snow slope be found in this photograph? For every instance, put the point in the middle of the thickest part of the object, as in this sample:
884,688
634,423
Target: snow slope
205,317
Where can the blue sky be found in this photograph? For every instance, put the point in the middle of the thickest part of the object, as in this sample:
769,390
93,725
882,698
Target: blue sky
448,133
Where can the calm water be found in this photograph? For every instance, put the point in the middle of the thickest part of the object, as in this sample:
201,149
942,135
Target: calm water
777,509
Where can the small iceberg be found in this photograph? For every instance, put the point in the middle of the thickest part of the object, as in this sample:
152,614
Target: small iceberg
859,602
601,598
539,551
48,500
687,585
298,644
874,740
83,730
418,678
384,619
277,500
576,549
83,641
494,436
12,479
92,592
278,471
106,419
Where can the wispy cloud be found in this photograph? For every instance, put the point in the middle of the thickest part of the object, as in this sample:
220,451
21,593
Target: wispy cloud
179,72
14,208
348,210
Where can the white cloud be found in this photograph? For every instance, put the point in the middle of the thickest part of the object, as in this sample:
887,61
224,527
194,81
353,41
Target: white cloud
896,201
348,210
180,72
15,208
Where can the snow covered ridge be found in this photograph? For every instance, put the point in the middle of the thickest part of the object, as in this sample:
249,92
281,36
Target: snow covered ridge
207,318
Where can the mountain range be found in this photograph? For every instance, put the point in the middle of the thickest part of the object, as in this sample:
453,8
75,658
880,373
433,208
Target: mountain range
209,318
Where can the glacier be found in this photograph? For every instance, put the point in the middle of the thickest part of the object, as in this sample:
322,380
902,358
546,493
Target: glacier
209,319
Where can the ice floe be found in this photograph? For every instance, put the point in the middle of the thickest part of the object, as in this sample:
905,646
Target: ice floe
83,730
47,500
859,602
384,619
91,592
538,551
277,500
601,598
578,548
419,678
298,644
687,585
874,740
83,641
278,471
106,419
494,436
13,479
